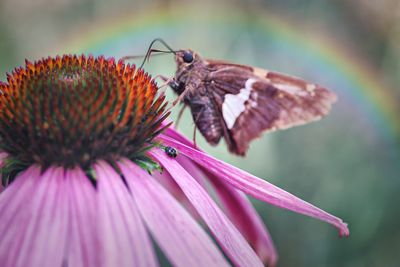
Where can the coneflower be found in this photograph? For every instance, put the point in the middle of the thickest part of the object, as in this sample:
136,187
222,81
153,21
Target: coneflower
93,177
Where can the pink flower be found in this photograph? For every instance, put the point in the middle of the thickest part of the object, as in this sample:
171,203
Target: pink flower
80,154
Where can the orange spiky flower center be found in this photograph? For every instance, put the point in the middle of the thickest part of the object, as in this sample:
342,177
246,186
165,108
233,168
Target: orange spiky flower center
74,110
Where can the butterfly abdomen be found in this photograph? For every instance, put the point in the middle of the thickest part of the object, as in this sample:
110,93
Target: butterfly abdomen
206,118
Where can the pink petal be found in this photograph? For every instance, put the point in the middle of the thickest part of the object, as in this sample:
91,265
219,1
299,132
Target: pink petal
238,208
11,201
230,239
83,242
123,234
256,187
2,157
17,189
36,234
172,187
193,169
183,241
170,132
246,219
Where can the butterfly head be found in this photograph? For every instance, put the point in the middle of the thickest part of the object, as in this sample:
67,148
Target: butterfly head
190,71
186,58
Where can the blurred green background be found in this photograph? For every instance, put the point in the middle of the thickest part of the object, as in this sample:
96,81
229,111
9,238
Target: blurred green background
347,164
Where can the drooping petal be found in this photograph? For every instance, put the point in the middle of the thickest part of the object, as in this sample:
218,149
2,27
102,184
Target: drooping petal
170,132
256,187
169,183
83,241
37,232
230,239
246,219
193,169
240,211
123,235
183,241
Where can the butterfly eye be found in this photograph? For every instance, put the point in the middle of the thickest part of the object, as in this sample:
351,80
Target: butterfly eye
187,57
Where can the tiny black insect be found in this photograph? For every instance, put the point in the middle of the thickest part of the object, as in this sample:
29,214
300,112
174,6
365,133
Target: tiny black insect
171,152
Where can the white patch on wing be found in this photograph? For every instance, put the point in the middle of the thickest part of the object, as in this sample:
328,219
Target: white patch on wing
233,105
291,89
260,72
311,87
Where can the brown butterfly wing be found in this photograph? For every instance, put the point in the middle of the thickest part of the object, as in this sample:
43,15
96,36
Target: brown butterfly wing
253,100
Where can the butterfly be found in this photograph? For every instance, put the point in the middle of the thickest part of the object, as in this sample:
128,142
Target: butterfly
238,102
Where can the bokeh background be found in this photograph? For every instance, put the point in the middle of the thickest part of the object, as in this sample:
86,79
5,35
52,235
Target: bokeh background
347,164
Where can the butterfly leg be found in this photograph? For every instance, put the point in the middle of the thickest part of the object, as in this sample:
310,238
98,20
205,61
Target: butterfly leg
178,99
195,127
194,137
166,81
179,116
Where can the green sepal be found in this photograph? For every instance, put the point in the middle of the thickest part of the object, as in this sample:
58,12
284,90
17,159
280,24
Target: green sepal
148,164
10,169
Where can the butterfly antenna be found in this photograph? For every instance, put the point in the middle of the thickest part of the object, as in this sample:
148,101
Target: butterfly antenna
151,50
159,53
162,42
